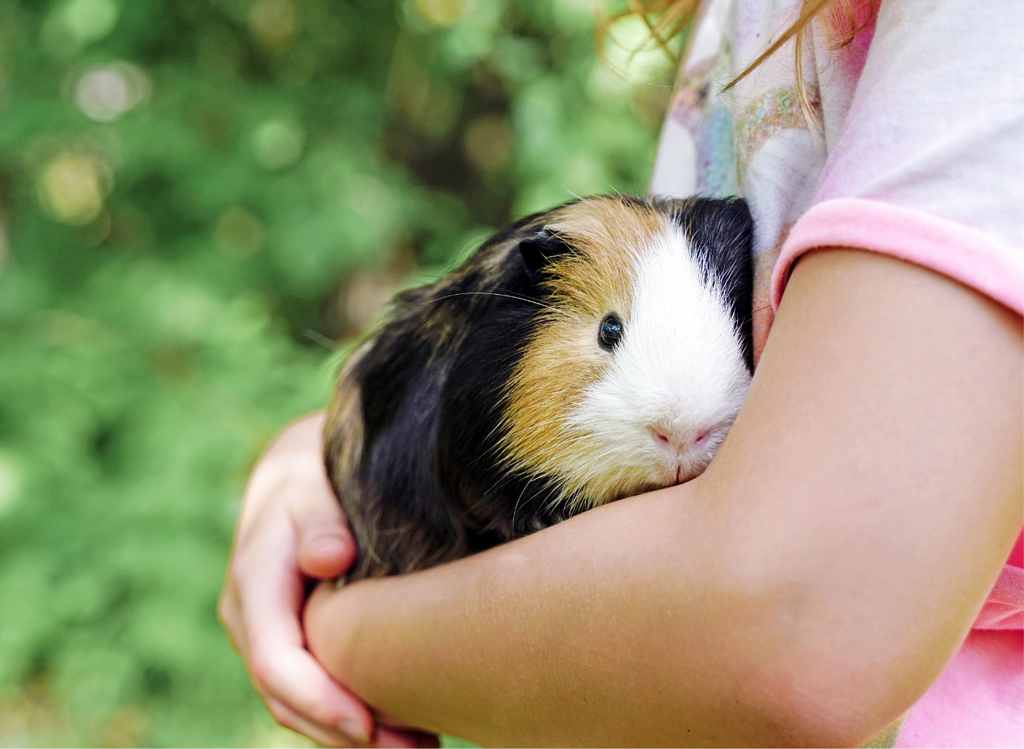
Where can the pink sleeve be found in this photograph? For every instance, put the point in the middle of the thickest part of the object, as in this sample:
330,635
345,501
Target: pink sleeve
974,258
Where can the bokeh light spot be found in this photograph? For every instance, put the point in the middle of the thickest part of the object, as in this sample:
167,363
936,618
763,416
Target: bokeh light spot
104,94
278,143
189,312
71,332
631,59
273,22
76,23
238,233
370,198
442,12
72,187
488,143
90,20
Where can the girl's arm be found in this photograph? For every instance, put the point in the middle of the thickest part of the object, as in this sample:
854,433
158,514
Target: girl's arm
807,589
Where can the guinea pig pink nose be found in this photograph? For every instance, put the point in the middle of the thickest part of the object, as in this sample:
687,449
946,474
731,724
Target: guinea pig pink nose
669,441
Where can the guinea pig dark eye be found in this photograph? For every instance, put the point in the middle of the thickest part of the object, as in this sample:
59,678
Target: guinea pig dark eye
610,332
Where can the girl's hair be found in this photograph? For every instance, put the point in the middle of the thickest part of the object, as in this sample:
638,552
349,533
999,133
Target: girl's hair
842,20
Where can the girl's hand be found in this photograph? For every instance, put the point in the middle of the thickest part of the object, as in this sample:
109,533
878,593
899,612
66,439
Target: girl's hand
290,529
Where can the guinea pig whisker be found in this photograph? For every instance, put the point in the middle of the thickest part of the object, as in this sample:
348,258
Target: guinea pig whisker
612,190
320,339
517,297
515,508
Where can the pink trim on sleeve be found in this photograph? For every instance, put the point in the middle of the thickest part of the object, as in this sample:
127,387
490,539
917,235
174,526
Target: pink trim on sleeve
976,259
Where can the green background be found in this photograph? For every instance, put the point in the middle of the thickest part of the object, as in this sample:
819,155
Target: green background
197,199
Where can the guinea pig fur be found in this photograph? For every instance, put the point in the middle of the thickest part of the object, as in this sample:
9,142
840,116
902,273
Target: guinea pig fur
591,352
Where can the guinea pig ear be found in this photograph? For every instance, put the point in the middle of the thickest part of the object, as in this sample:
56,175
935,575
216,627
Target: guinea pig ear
539,249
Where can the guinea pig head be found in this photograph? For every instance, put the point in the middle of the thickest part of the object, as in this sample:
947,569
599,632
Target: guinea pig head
641,357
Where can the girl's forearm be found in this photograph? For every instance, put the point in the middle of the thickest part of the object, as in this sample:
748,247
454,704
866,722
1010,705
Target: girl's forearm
605,630
807,589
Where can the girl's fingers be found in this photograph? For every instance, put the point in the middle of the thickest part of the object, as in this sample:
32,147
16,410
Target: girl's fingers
291,676
386,737
272,594
325,544
292,720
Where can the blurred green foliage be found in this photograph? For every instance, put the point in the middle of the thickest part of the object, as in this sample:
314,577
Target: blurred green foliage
196,198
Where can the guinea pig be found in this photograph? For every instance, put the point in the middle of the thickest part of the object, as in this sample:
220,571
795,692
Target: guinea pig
597,350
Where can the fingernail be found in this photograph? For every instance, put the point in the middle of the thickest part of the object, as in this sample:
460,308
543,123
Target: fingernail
354,731
394,740
327,545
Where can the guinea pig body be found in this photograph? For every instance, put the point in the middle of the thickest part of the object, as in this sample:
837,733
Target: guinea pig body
588,353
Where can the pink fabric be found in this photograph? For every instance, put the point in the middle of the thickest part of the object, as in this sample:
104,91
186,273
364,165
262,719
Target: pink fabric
983,686
974,258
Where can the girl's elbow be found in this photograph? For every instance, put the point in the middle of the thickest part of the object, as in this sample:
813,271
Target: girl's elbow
824,672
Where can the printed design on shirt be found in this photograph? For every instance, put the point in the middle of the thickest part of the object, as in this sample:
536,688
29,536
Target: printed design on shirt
709,121
775,110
